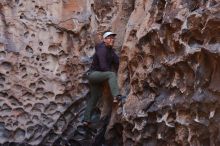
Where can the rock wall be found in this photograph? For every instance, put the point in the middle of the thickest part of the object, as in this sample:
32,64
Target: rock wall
169,69
169,52
42,49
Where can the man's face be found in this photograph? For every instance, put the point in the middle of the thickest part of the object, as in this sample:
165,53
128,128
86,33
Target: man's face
109,40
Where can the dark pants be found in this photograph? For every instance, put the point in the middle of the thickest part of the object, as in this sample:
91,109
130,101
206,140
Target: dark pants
96,78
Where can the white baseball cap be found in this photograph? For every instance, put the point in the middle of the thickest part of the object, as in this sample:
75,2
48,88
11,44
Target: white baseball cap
108,33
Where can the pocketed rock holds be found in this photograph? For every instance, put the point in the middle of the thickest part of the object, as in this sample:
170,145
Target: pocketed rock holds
171,73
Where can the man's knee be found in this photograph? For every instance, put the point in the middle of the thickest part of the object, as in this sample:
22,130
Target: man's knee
112,74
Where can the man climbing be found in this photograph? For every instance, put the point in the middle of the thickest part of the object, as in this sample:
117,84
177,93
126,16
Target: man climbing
104,60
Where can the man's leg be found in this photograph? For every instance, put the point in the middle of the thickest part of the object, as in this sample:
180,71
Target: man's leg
95,92
107,101
99,77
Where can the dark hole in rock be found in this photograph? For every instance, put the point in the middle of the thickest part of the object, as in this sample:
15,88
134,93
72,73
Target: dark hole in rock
41,83
6,108
7,66
14,101
23,69
39,106
2,55
194,41
29,49
214,40
171,118
28,95
33,35
35,118
61,98
58,74
51,108
1,86
28,106
22,16
8,83
39,90
36,74
2,78
43,57
41,43
21,5
15,124
3,94
38,58
24,76
18,110
29,123
23,117
147,38
47,120
62,54
26,34
41,12
49,94
36,111
32,85
53,48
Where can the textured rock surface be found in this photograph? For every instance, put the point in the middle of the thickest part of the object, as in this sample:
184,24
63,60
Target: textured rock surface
170,56
169,70
42,62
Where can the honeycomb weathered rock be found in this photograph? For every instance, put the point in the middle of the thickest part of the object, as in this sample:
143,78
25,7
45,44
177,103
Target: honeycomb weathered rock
41,48
170,61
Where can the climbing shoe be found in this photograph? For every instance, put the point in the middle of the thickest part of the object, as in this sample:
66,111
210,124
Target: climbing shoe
119,98
86,123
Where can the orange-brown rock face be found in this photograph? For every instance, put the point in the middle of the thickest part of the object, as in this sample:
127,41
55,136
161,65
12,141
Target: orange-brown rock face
169,54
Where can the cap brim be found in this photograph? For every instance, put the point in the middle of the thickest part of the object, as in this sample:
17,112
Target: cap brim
109,34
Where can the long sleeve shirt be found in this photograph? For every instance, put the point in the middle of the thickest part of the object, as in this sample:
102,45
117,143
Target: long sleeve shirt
104,59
